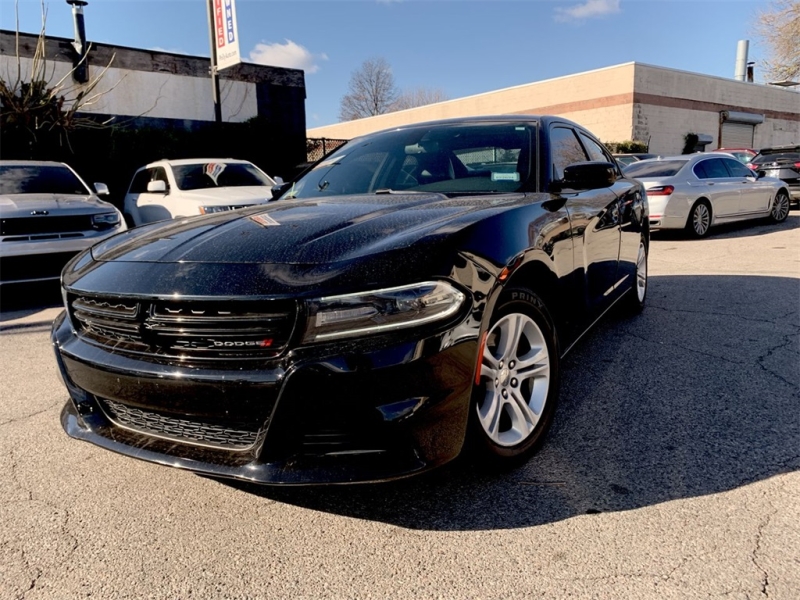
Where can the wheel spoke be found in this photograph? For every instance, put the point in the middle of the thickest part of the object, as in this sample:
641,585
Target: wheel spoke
533,364
523,420
509,336
489,413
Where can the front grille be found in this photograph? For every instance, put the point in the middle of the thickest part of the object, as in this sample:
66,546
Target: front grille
37,225
33,266
180,430
186,330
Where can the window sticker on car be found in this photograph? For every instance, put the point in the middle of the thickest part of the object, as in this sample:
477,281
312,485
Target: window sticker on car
264,220
505,176
214,170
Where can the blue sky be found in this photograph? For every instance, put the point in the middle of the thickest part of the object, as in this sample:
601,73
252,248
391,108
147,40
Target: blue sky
461,47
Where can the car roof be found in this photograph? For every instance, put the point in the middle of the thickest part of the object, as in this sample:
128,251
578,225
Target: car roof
194,161
32,163
544,119
777,149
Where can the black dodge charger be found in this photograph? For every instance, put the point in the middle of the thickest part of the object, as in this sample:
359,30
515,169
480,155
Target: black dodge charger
415,289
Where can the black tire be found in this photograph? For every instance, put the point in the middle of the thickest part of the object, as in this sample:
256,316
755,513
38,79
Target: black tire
633,301
699,223
500,447
780,207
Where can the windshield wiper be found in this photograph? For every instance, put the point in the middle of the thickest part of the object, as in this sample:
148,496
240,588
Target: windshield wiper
391,191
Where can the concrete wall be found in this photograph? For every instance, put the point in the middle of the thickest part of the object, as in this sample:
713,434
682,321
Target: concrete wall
163,85
624,102
599,100
671,103
154,95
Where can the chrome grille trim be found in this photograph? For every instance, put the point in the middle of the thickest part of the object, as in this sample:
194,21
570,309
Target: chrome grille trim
185,330
180,430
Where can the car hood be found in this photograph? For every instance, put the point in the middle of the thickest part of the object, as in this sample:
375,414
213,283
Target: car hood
21,205
313,231
229,195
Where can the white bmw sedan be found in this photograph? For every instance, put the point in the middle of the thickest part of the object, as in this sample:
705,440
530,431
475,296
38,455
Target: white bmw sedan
697,191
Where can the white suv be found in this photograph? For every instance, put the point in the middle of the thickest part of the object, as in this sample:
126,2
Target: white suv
171,189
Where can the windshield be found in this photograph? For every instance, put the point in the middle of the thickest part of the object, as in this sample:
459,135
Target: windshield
202,176
40,179
654,168
445,158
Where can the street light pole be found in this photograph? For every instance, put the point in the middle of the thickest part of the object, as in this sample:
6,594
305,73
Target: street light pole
213,69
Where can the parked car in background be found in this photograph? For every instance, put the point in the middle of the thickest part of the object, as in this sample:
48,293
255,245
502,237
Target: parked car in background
743,155
697,191
171,189
415,285
48,215
627,159
782,162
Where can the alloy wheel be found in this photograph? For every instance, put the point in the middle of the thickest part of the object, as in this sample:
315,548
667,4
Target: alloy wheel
641,273
780,207
516,370
701,219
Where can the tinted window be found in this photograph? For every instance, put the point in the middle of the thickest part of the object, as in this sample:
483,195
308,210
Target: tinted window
655,168
451,159
736,168
218,174
566,150
713,168
35,179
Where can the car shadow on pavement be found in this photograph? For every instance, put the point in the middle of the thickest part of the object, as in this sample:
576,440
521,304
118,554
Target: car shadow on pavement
697,395
739,229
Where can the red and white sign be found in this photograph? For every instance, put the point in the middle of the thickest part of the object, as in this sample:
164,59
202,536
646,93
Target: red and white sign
226,35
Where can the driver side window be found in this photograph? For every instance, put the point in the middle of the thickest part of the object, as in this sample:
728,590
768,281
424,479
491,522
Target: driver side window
565,149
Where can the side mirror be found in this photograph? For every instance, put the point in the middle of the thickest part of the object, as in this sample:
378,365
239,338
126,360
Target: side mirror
280,189
157,187
278,180
101,189
588,176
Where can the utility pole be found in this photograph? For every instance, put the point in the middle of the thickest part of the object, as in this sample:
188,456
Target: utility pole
213,69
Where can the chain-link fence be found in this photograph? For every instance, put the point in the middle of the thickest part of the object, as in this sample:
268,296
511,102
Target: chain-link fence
316,148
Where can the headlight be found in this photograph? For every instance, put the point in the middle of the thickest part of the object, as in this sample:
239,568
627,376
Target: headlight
105,220
383,310
207,210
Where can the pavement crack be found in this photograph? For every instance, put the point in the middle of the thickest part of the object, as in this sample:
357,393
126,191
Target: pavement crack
779,320
31,415
757,549
692,350
788,340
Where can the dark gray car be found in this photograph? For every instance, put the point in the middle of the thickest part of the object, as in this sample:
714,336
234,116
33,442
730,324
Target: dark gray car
781,162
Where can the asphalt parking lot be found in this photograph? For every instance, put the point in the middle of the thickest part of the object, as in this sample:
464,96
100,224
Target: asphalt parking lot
672,471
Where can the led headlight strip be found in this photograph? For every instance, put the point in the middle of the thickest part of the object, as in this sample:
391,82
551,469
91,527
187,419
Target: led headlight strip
349,315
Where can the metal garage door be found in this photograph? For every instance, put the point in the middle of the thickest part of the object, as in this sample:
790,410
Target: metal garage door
736,135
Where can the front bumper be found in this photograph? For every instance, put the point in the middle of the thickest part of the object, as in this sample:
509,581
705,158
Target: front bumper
360,416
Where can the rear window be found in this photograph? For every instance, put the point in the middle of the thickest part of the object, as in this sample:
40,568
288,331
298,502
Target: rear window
656,168
37,179
780,157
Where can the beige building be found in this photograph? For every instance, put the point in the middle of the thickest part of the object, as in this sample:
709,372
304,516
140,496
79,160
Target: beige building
632,101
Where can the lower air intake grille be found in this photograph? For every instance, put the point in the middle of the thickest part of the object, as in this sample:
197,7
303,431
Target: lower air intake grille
180,430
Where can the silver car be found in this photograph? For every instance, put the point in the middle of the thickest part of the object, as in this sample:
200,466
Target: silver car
697,191
47,215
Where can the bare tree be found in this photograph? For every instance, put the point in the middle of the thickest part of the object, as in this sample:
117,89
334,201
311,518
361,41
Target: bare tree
372,91
778,28
420,96
34,103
